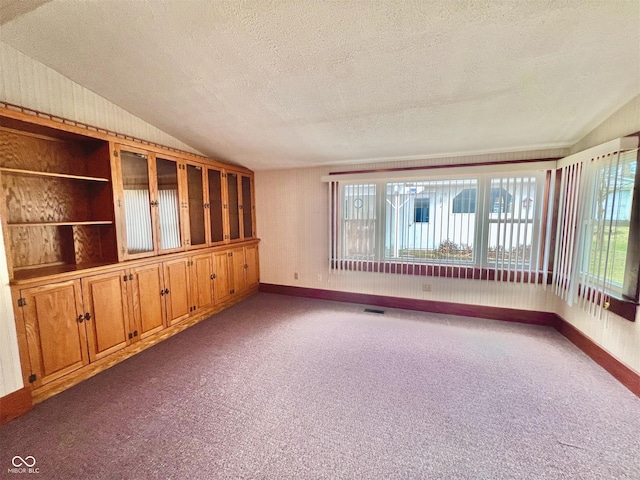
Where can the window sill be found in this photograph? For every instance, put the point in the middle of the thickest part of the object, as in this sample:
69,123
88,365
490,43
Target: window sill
624,308
465,272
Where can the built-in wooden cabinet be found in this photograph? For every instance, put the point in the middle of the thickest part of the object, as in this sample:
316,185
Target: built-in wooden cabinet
106,313
56,206
240,206
113,245
222,285
201,282
176,281
55,332
148,304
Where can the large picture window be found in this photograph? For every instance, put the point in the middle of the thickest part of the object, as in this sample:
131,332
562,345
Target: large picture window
478,222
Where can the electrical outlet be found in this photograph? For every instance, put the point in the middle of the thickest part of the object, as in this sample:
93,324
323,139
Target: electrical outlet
426,287
295,275
319,277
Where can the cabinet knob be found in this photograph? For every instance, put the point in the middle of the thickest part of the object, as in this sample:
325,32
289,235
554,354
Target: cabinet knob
87,316
80,318
166,291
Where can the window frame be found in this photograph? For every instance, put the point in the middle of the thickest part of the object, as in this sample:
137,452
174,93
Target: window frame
479,267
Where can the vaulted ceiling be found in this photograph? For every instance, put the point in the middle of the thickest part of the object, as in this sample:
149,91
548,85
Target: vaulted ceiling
288,83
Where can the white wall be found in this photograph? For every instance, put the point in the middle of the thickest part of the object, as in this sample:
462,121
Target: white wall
292,216
10,372
28,83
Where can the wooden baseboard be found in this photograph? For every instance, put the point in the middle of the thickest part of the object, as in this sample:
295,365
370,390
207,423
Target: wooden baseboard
476,311
15,404
621,372
625,375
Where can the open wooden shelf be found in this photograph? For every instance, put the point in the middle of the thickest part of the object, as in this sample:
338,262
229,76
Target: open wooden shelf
18,171
59,224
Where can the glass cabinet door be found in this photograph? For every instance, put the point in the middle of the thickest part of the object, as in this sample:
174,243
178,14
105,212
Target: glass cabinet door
216,222
168,204
137,202
195,187
234,213
247,208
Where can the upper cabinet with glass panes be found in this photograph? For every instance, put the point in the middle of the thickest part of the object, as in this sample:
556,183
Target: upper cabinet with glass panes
240,206
165,204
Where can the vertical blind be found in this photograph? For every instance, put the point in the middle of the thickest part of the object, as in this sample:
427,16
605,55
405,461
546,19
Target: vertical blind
482,226
138,220
594,215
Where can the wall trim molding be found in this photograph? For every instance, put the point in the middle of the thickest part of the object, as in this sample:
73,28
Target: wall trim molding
15,404
465,310
621,372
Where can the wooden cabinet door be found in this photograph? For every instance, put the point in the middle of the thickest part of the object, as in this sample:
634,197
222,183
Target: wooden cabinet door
56,335
238,281
148,300
135,194
221,284
195,185
176,281
233,206
170,190
252,266
217,220
106,314
201,281
247,207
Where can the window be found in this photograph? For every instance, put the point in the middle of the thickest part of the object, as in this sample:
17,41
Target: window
597,255
606,224
475,222
421,210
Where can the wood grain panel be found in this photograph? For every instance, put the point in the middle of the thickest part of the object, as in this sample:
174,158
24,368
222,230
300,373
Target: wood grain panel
29,152
176,280
253,265
32,246
105,300
238,280
45,199
57,341
201,284
87,242
221,285
148,302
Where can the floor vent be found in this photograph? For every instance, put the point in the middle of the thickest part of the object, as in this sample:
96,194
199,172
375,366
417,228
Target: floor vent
373,310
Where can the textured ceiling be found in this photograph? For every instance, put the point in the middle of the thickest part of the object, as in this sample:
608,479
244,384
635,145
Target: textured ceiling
284,83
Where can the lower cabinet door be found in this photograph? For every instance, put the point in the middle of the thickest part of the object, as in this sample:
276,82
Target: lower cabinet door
55,329
106,315
201,282
238,282
221,284
148,300
252,270
176,281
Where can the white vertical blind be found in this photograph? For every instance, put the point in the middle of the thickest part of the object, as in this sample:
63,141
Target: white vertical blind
169,219
138,220
593,226
484,226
